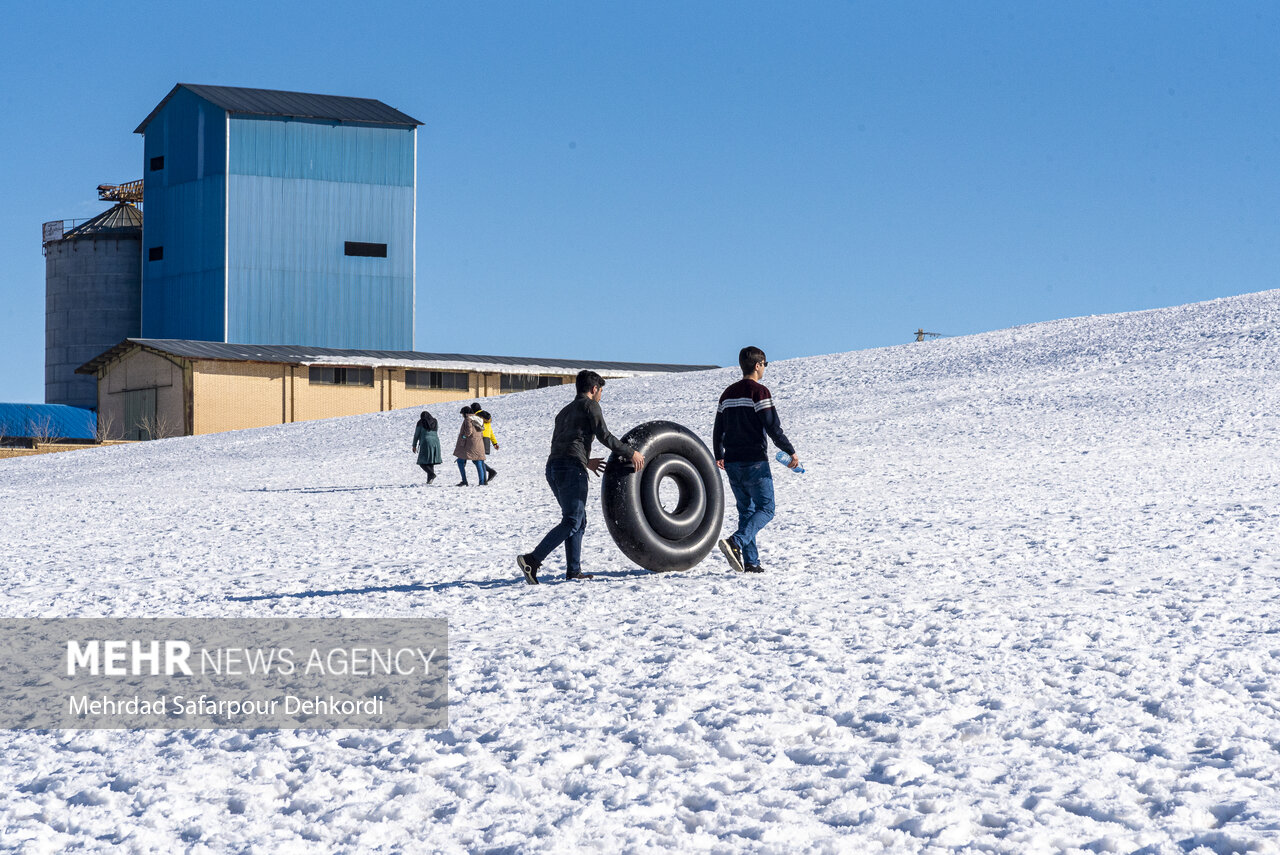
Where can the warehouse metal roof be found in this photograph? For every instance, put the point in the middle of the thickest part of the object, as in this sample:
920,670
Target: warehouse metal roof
301,355
294,105
47,421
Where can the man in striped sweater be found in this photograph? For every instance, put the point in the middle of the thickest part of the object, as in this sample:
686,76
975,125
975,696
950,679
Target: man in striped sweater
745,420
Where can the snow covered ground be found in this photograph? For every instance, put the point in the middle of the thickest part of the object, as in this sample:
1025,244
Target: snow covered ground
1025,599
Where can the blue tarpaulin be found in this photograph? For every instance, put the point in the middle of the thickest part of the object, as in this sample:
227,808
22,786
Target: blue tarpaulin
47,421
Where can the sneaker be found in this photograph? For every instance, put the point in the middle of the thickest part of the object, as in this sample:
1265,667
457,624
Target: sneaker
529,568
577,576
461,484
753,568
732,553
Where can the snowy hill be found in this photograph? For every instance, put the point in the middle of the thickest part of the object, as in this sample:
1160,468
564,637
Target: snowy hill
1024,599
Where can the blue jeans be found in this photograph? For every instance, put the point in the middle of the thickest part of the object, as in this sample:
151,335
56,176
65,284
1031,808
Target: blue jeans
462,467
752,485
568,480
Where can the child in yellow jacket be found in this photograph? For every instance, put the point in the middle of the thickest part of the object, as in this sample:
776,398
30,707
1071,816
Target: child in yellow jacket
490,441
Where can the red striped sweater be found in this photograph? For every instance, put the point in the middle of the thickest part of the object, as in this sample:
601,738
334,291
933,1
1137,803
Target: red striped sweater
744,419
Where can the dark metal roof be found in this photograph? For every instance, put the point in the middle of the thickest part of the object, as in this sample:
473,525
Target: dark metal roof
298,355
122,219
295,105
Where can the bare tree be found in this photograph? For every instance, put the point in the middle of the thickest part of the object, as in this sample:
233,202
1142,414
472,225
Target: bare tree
165,427
157,427
42,431
105,429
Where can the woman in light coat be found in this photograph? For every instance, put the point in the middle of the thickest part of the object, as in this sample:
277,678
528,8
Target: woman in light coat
470,446
426,441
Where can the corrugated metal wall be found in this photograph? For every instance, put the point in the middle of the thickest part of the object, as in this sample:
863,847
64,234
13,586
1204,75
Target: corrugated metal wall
253,215
182,293
322,151
298,190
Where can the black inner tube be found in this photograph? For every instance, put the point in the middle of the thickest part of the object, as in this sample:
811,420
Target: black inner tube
646,532
691,502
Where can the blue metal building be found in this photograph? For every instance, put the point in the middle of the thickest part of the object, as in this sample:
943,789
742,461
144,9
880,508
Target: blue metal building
278,218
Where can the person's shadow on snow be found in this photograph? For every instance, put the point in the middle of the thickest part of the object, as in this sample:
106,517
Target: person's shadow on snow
418,486
422,587
378,589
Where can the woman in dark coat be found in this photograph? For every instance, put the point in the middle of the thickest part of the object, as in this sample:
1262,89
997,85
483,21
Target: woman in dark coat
470,446
426,441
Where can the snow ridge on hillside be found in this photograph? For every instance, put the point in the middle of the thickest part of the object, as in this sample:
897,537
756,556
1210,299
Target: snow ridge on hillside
1023,600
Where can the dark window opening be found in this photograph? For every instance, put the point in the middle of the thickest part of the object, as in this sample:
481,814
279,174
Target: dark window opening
525,382
455,380
157,163
340,376
365,250
155,253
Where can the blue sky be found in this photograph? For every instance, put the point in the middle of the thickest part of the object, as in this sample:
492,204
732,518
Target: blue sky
669,181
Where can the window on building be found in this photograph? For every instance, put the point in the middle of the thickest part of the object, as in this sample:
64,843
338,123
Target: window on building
524,382
337,375
157,163
365,250
452,380
155,253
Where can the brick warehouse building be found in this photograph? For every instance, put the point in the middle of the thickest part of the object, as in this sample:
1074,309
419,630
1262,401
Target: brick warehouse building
150,388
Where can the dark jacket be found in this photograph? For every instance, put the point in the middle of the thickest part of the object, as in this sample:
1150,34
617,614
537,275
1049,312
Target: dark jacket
743,420
426,441
576,424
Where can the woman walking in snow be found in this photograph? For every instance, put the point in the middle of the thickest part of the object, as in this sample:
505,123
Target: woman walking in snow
470,446
426,441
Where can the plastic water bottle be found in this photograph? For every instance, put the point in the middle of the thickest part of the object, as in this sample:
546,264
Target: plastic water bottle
785,460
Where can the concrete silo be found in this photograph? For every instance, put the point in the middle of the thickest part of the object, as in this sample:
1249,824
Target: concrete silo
93,297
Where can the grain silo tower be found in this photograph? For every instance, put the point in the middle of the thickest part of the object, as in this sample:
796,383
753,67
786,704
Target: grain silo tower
93,292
